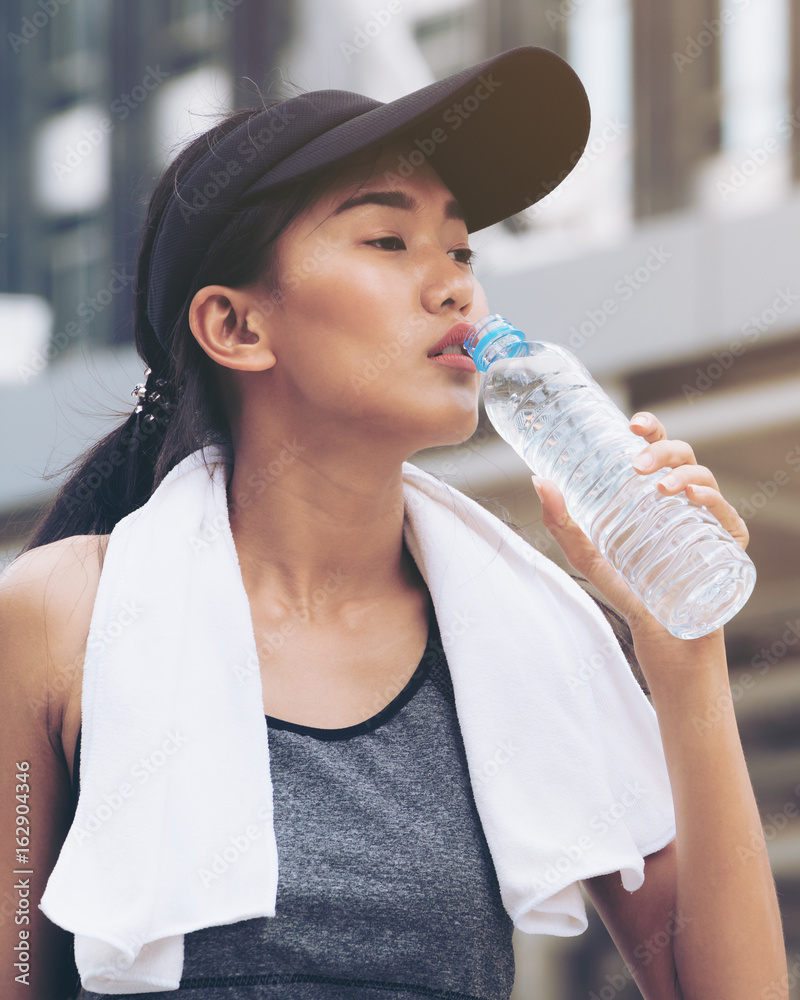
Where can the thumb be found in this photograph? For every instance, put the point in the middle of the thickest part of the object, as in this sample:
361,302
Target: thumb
579,550
555,515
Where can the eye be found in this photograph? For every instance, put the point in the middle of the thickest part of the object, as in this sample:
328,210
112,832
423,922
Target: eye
388,239
464,255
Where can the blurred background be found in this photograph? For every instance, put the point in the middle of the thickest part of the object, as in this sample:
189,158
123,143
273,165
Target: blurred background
669,262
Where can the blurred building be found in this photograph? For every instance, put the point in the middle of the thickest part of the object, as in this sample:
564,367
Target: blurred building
669,262
96,99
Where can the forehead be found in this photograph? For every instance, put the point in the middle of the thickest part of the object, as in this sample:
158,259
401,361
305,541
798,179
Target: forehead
389,172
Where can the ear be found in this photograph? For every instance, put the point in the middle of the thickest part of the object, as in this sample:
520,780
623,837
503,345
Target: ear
232,329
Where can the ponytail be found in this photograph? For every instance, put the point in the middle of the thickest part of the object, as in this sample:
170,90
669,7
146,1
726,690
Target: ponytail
119,473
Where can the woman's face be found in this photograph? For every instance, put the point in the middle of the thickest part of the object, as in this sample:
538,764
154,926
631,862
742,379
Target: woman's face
373,276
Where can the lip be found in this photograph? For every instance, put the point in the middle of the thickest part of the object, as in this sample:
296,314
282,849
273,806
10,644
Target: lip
455,335
461,362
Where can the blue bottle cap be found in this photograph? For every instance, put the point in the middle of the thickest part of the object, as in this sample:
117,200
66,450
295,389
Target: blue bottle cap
493,337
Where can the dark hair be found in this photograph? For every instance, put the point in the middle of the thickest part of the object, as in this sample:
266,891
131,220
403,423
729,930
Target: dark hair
120,472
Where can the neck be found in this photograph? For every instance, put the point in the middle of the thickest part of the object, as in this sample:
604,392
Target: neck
316,536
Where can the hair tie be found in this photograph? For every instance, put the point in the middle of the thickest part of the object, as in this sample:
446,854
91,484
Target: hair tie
156,401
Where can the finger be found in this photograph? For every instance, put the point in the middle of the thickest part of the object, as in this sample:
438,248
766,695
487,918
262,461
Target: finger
648,426
664,453
686,475
582,554
724,512
555,516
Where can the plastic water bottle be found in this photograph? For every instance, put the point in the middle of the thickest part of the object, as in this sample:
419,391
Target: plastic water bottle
677,558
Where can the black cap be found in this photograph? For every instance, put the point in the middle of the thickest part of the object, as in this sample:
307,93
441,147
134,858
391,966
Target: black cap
501,135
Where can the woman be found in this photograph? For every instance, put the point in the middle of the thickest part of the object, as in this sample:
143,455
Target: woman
303,270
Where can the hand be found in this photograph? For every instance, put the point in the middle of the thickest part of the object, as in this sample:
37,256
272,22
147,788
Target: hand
699,485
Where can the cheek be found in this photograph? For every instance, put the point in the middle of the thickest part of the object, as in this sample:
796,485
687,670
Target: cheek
349,312
331,335
339,295
480,304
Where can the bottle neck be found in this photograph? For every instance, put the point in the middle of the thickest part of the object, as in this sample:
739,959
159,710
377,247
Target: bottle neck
493,338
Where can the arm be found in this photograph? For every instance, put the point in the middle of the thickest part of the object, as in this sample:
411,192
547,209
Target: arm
43,603
642,924
714,880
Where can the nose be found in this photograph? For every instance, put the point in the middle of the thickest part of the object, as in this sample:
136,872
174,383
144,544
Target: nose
447,284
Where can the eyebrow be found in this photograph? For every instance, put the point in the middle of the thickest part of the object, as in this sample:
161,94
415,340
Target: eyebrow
398,199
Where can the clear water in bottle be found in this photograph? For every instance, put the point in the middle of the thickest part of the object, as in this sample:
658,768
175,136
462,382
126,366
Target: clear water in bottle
678,559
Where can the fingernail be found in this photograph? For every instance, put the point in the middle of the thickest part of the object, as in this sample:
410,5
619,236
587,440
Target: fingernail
536,485
643,462
641,419
669,482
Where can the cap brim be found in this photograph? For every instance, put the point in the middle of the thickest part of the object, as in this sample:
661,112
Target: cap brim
501,134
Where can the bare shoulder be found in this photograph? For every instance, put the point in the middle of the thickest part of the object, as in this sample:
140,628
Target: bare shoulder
46,600
51,579
62,556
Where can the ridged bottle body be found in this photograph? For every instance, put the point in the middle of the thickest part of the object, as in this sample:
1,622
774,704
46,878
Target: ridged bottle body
685,567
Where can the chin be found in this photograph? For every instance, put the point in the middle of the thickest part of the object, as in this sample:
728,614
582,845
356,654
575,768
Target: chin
455,430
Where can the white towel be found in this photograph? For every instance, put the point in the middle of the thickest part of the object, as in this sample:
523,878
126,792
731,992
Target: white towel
173,830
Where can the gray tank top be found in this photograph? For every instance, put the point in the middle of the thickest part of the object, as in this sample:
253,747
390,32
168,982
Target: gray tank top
386,885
